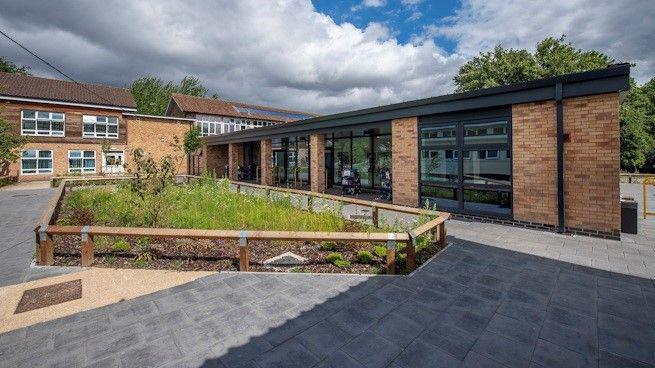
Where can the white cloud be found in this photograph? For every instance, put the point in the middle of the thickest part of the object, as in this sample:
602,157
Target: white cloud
374,3
622,29
416,15
280,53
410,2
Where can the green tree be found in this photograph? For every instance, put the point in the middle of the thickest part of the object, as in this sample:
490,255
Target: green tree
151,94
10,145
9,67
638,128
192,140
553,56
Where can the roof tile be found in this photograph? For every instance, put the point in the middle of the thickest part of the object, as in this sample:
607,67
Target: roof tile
25,86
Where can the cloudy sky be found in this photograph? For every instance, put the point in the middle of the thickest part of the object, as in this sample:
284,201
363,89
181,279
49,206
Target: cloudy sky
322,56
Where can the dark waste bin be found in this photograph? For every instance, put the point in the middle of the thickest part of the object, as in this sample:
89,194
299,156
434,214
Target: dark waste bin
628,216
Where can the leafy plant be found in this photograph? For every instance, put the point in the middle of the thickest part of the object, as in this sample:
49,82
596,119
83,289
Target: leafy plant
192,140
333,257
141,262
328,246
121,246
149,183
341,263
10,144
380,251
110,259
364,256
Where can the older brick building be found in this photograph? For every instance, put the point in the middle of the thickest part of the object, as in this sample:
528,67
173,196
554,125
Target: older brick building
80,129
544,153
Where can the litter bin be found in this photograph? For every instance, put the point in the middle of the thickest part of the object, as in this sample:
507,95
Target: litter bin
628,215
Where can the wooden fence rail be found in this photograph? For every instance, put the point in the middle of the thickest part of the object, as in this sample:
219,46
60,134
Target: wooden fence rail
46,228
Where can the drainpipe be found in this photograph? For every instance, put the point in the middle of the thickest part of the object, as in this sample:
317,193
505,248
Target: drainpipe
560,157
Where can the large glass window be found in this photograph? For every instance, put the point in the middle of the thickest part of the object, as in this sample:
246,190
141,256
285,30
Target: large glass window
100,126
466,166
382,150
42,123
489,166
439,165
341,149
36,162
361,160
81,161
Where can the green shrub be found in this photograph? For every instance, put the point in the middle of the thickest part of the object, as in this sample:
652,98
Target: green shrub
328,246
140,263
333,257
364,256
121,246
110,259
380,251
341,263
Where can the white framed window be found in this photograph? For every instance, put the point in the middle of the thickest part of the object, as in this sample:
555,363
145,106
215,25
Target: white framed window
34,162
42,123
81,161
209,127
100,126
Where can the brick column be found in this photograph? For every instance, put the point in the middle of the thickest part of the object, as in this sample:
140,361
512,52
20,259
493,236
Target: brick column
404,161
317,162
214,159
235,154
266,161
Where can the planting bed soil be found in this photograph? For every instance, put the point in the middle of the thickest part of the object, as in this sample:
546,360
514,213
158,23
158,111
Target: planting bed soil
207,206
221,255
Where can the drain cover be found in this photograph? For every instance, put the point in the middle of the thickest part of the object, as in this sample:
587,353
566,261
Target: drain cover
46,296
285,259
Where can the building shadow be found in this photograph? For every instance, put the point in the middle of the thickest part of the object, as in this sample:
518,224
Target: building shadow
472,301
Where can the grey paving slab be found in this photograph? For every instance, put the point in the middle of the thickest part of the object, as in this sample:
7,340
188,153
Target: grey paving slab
19,211
488,300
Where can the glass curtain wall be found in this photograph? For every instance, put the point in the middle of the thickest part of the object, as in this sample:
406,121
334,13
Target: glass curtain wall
291,161
466,166
367,151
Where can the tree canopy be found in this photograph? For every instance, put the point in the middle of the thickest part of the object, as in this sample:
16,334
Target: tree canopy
554,56
9,67
10,145
151,94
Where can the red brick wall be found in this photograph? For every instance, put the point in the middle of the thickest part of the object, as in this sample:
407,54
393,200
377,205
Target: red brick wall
404,156
214,159
155,136
592,162
235,154
317,162
534,171
266,161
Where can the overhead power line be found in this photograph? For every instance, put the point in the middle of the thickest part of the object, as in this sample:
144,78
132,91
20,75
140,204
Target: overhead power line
54,68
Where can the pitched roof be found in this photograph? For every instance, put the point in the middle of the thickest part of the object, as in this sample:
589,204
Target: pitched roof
212,106
25,86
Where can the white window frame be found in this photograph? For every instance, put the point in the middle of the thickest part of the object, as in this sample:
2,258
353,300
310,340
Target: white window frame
36,158
43,133
81,169
93,119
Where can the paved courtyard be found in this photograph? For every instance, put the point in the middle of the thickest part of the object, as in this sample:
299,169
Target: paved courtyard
498,296
19,210
472,306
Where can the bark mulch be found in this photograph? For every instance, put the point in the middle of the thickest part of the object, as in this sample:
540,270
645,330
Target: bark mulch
46,296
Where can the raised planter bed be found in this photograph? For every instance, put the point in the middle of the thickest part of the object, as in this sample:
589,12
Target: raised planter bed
197,249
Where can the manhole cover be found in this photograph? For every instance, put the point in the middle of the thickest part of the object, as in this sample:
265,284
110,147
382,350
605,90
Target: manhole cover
46,296
285,259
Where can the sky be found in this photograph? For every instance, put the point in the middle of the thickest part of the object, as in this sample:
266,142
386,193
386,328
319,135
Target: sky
321,56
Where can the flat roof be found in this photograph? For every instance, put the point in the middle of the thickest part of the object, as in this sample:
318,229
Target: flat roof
614,78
